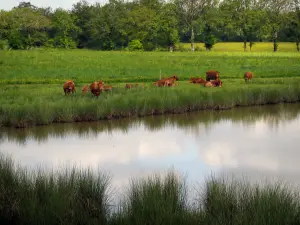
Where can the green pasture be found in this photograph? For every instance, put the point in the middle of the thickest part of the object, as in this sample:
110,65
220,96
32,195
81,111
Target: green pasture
85,66
239,47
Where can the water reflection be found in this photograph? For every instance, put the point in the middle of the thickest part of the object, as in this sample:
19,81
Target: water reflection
260,140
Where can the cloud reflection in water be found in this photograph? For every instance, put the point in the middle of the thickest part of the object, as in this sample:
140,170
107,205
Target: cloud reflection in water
262,140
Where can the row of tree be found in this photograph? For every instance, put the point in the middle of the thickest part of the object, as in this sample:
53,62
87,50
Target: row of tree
150,24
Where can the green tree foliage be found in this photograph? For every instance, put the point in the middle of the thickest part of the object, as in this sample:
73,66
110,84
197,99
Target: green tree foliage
64,30
244,18
155,24
24,27
293,23
276,12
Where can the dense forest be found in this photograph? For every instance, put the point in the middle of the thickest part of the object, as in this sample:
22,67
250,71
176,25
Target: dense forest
150,24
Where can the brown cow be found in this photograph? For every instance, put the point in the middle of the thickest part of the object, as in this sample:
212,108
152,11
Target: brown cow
199,81
69,87
85,89
128,86
248,76
212,75
166,81
208,84
96,88
217,83
192,79
107,88
213,83
159,83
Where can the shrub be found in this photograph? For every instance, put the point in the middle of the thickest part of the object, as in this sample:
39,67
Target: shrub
135,45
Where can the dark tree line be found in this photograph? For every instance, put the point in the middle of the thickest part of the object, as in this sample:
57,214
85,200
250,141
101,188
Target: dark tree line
151,24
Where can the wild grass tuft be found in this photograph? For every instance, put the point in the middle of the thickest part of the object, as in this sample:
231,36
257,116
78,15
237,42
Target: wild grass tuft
76,196
70,197
239,202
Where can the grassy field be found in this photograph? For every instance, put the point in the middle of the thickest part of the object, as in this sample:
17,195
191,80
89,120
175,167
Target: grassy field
31,83
239,47
76,196
56,66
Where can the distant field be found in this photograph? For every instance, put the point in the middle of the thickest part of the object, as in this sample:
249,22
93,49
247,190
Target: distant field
239,47
84,66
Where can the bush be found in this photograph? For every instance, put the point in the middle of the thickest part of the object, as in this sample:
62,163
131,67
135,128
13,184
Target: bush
4,45
135,45
180,47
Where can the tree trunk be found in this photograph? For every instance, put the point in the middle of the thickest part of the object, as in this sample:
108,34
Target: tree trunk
171,48
245,46
192,40
275,45
297,44
251,43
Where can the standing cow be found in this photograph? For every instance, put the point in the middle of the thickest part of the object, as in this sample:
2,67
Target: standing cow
69,87
248,76
96,88
212,75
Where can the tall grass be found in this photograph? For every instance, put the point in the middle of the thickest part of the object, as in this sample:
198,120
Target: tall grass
238,202
76,196
39,105
72,196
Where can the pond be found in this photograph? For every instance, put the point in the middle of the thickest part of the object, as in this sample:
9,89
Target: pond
258,142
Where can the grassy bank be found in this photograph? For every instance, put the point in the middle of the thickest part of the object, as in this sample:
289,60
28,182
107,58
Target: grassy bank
29,105
76,196
272,114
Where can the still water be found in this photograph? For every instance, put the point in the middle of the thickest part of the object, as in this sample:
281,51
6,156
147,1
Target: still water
257,142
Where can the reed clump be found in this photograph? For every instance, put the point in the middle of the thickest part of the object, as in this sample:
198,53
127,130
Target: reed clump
73,196
77,196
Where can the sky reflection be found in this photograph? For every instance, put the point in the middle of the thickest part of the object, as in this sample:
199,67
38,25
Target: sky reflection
265,145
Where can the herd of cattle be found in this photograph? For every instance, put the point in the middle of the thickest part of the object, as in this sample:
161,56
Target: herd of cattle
97,87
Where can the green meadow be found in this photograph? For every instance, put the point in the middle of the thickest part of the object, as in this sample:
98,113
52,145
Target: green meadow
83,196
239,47
31,83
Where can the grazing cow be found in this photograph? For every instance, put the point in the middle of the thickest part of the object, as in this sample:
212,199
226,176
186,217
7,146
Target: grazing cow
212,75
69,87
166,81
159,83
199,81
192,79
128,86
248,76
85,89
96,88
